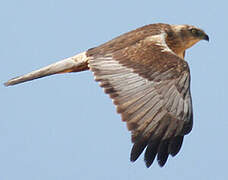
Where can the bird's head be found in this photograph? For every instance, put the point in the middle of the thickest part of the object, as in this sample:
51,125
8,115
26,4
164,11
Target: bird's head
190,34
184,37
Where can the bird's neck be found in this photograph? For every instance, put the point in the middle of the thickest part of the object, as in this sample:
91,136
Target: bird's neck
179,45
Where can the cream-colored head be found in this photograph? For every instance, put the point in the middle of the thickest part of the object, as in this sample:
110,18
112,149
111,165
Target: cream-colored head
189,34
183,37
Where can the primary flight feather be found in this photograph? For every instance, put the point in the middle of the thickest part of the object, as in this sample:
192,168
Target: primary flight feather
145,74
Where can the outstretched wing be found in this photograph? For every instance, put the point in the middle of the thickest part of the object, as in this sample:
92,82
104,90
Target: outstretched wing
149,84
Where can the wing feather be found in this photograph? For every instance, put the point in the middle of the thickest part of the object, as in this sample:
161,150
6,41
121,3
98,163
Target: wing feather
139,115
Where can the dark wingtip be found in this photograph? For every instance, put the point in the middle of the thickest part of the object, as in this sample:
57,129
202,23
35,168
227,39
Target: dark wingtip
148,163
162,163
163,153
151,152
175,145
137,150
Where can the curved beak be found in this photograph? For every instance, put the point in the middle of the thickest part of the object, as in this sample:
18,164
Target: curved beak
206,37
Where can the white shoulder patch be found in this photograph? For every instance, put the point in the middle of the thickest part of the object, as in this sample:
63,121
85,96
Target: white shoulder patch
160,41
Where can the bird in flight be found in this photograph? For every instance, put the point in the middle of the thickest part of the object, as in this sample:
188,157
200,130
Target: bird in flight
145,74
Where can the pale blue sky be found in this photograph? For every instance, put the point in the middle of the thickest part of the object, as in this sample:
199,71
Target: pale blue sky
64,127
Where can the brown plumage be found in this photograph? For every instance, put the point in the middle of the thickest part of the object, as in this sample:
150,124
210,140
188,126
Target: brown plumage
145,74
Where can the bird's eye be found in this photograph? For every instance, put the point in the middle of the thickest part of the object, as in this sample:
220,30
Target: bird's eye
193,31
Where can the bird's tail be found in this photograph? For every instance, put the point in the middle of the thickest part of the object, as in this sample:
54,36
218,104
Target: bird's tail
75,63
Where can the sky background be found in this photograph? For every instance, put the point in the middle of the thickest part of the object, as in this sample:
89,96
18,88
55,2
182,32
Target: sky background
64,127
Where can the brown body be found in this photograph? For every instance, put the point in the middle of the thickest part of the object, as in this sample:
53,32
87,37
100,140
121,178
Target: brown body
145,74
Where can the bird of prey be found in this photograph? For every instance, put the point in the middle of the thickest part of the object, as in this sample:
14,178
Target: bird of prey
145,74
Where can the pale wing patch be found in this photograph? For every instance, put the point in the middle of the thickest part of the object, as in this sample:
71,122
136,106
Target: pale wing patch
160,41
